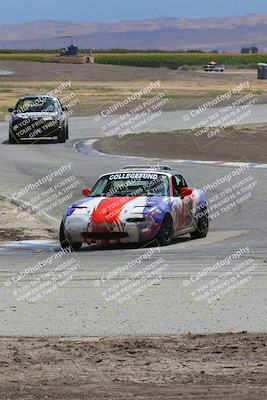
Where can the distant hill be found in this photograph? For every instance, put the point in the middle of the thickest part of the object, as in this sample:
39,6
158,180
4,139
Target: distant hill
224,34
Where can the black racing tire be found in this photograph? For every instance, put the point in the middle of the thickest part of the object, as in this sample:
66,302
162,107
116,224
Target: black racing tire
165,234
66,243
202,227
11,138
62,136
67,132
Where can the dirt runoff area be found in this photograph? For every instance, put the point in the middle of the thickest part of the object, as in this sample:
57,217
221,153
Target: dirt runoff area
93,88
240,143
222,366
13,228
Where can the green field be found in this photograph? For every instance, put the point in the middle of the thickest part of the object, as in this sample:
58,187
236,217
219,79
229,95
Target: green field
149,59
176,60
22,56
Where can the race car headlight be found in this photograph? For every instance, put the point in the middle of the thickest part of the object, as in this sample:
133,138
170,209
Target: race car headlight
48,119
156,214
69,211
21,116
155,211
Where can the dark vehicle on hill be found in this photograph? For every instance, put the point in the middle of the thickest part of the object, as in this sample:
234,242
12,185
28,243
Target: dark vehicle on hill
38,117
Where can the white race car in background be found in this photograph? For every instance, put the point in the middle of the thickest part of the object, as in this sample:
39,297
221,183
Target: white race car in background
214,68
134,205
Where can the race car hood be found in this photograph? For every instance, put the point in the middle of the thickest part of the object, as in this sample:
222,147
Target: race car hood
109,210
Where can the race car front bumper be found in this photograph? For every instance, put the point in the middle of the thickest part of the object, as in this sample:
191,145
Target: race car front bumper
79,229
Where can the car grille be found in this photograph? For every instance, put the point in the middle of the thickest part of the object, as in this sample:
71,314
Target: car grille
137,219
105,235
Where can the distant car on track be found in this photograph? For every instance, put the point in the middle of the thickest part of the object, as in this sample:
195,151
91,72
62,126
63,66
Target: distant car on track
134,205
38,116
213,68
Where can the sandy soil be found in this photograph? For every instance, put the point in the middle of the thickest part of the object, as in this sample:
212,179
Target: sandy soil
242,143
222,366
13,228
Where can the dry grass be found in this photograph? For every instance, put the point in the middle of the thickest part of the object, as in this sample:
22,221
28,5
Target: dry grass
93,95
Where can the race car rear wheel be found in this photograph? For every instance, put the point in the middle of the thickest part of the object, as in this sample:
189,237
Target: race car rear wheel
66,243
202,226
165,234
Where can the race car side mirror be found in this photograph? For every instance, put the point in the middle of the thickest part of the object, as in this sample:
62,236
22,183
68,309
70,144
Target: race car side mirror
86,192
11,109
185,191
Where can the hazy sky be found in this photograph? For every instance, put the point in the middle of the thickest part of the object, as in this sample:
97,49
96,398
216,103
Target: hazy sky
14,11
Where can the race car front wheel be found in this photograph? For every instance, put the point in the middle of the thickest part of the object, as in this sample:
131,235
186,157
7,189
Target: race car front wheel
62,135
202,226
11,138
165,234
66,243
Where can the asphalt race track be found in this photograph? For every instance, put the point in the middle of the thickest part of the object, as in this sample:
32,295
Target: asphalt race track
170,306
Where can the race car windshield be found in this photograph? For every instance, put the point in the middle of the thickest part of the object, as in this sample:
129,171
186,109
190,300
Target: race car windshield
132,185
36,104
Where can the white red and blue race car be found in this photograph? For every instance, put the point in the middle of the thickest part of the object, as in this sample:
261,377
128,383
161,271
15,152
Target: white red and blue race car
134,205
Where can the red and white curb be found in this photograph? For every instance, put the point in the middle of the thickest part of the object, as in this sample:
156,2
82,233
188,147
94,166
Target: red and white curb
85,147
